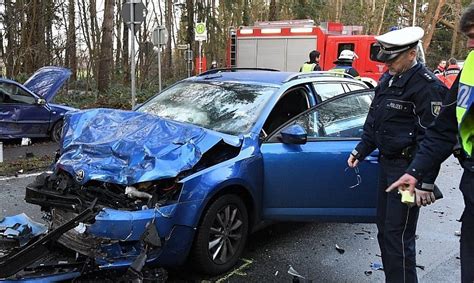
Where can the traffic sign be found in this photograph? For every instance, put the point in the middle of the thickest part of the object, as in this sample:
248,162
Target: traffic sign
200,32
138,15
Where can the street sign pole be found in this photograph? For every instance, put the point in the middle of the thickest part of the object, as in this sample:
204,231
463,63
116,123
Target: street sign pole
132,52
159,68
200,57
189,60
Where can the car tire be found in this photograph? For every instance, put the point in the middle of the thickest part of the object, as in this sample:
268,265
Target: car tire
221,235
56,131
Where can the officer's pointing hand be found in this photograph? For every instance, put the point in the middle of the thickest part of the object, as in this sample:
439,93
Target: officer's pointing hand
352,161
406,182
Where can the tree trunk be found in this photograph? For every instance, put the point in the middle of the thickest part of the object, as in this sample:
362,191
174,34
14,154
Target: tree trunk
382,16
432,27
71,57
454,39
10,31
169,27
273,11
125,54
118,31
106,51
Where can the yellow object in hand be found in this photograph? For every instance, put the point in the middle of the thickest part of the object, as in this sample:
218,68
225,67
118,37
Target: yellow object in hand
407,198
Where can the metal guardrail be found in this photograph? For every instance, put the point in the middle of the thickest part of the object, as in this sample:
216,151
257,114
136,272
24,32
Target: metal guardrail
219,70
316,74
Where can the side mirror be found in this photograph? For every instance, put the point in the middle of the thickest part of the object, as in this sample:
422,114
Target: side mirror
294,134
41,101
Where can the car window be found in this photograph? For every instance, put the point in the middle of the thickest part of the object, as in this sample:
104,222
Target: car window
227,107
328,90
10,93
353,87
341,118
292,103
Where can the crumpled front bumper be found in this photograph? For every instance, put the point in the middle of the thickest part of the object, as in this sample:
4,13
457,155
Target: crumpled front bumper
123,237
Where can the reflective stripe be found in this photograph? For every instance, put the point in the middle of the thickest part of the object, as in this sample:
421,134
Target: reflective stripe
307,67
464,107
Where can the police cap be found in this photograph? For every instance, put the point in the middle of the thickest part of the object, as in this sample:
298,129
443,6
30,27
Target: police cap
394,43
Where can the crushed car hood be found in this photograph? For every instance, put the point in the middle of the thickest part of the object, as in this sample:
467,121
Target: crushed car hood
47,81
126,147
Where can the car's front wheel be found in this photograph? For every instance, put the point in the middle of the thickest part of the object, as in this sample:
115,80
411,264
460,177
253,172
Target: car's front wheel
57,130
221,235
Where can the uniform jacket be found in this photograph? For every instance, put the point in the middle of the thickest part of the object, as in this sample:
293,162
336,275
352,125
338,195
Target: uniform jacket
451,74
314,66
345,67
403,107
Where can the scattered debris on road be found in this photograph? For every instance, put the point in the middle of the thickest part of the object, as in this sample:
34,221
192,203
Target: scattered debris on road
339,249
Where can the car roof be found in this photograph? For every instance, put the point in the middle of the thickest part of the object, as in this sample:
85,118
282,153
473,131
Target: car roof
267,76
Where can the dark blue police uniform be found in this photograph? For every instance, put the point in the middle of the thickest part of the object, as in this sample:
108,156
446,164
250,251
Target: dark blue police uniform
403,107
437,146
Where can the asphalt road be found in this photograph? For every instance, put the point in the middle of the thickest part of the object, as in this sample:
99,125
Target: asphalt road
310,247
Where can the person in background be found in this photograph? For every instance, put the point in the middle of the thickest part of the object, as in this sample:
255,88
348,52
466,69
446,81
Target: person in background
440,68
406,101
453,132
313,63
344,63
213,65
451,72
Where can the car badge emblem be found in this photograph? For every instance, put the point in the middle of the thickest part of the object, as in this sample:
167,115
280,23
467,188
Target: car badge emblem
80,175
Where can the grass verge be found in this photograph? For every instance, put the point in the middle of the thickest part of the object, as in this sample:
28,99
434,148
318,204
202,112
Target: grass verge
26,165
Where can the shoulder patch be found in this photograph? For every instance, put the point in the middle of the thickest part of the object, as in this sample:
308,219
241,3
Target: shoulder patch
435,108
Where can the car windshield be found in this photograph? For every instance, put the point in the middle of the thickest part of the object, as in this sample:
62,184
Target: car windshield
227,107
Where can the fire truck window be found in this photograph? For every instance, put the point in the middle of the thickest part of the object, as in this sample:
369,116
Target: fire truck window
374,50
328,90
344,46
291,104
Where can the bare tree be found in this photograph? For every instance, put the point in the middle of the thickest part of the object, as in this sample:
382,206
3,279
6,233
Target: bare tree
106,51
71,57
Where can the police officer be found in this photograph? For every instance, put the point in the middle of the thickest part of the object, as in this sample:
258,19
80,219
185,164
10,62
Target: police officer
406,101
313,63
455,124
344,63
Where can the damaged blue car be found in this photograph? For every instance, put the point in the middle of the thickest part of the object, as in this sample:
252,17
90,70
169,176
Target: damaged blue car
27,110
192,172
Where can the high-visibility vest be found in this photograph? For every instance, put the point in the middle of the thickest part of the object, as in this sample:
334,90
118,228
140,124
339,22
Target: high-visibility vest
308,67
465,105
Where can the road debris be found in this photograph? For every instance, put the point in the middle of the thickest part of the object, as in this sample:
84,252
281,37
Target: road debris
339,249
422,267
457,233
294,273
376,266
368,272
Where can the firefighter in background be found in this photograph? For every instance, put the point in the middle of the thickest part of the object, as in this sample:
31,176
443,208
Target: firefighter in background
213,65
344,64
455,124
451,72
440,68
406,101
313,63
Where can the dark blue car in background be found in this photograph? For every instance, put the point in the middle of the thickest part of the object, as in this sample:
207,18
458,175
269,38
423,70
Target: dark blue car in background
194,170
26,109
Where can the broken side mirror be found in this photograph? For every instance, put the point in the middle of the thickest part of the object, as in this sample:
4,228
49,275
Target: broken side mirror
294,134
41,101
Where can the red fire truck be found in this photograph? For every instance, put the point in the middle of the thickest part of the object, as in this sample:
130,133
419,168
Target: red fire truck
285,45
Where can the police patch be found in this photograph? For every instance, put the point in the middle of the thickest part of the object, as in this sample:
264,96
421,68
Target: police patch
435,108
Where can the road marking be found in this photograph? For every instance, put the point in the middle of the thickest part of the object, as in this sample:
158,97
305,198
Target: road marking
23,176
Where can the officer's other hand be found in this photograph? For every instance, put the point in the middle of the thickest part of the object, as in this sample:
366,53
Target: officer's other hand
424,197
352,161
406,182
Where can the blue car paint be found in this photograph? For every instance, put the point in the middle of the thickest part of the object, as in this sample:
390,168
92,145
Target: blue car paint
258,169
99,142
47,81
18,120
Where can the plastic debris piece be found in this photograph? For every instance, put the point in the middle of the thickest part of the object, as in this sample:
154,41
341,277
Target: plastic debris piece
339,249
276,273
368,272
376,266
295,273
422,267
457,233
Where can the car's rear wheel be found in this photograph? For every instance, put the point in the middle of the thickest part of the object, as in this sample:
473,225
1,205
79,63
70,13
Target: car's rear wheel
57,131
221,235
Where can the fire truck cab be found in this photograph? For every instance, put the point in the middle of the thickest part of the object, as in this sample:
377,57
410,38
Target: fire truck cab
285,45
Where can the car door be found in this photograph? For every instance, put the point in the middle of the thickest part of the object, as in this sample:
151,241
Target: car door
21,115
312,181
